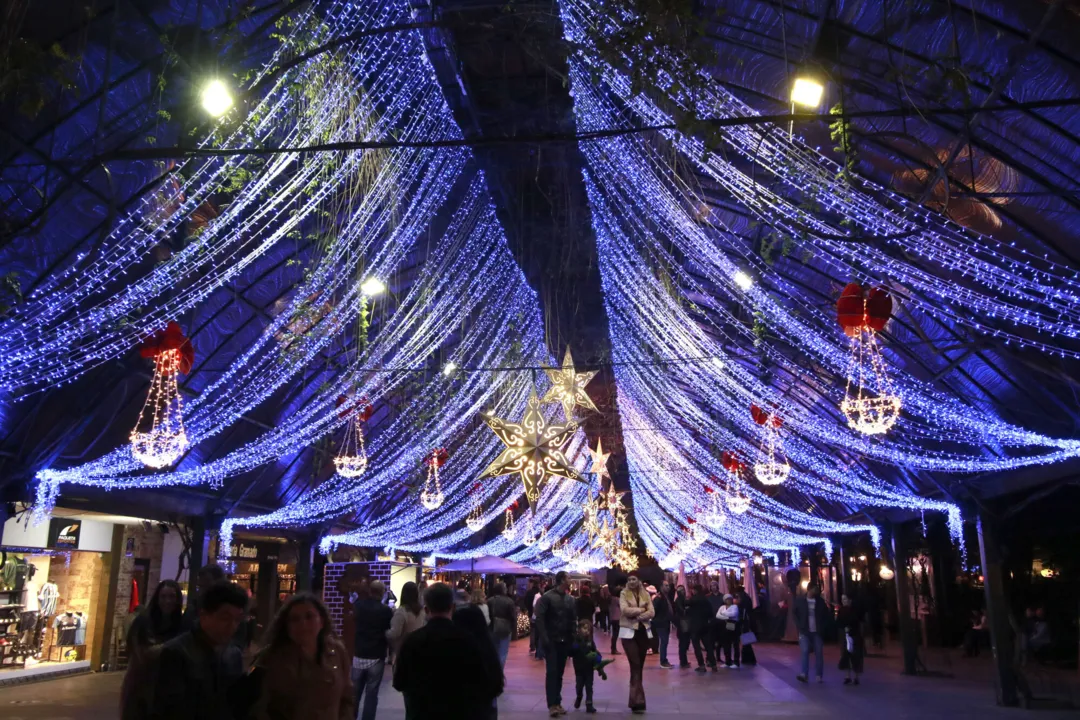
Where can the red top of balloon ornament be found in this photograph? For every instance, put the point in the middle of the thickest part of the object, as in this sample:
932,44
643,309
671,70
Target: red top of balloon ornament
171,338
731,462
863,308
437,458
350,404
762,416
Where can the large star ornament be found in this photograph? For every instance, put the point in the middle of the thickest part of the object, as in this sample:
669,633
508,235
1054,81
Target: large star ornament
533,450
568,386
599,460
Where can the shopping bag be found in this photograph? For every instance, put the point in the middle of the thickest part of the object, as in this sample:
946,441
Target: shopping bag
748,638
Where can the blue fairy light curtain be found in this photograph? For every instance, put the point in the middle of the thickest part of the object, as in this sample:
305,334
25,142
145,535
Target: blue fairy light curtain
702,432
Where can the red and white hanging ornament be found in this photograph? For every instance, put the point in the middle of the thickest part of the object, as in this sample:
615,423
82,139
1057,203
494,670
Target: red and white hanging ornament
158,438
870,404
475,519
714,508
738,501
528,533
351,460
508,530
431,497
776,468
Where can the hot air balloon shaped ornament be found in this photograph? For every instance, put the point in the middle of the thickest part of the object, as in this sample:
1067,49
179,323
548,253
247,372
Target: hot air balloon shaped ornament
775,468
158,439
431,497
870,404
475,519
508,530
714,508
737,500
351,460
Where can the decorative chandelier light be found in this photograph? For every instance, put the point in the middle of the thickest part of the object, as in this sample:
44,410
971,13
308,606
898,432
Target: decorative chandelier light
351,460
543,542
714,512
508,530
529,535
870,404
475,519
431,497
738,501
158,438
560,548
775,469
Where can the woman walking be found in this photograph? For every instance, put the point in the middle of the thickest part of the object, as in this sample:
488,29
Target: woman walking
160,621
728,615
615,613
635,614
853,647
603,608
304,671
479,599
408,616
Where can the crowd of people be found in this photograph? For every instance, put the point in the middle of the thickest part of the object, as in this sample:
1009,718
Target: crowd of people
447,647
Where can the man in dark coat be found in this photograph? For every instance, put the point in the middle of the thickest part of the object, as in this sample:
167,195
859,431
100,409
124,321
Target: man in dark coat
811,615
441,670
371,619
199,671
556,623
664,611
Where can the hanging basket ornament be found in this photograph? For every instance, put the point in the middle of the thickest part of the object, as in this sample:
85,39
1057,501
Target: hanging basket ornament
775,468
528,533
158,438
508,530
351,460
870,404
475,519
737,500
714,509
431,497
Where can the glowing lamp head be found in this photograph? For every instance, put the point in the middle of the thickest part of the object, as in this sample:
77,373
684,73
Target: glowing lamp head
743,280
806,92
216,99
886,572
449,368
372,287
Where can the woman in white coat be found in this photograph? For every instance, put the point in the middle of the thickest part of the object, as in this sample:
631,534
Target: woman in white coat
728,615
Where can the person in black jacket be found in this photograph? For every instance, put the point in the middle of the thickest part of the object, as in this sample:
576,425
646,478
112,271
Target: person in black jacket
372,620
471,620
200,670
529,601
556,623
681,608
586,604
699,612
811,615
664,611
441,669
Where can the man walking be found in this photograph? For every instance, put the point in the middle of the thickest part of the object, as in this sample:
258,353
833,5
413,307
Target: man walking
664,613
503,615
371,619
440,668
199,670
810,617
556,621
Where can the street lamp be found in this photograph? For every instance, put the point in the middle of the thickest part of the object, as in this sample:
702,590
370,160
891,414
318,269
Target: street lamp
216,98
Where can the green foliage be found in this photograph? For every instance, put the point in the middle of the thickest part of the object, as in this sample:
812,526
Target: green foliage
840,133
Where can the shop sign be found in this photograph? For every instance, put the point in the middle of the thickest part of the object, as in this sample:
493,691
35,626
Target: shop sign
246,552
64,533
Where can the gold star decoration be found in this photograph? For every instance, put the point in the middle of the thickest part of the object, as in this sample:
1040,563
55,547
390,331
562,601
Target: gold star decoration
533,450
614,500
604,539
599,460
568,386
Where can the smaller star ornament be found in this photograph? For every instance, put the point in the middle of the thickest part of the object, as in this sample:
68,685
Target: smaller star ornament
533,450
599,460
568,386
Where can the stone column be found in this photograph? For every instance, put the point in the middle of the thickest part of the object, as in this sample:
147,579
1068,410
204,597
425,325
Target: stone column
903,601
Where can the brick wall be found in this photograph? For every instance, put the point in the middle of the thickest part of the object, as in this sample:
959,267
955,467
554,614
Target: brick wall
338,581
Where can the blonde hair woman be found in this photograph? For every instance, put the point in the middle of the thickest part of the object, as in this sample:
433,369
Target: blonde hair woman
480,600
635,612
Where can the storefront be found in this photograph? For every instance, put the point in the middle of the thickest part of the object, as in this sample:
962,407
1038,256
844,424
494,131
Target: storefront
267,570
67,587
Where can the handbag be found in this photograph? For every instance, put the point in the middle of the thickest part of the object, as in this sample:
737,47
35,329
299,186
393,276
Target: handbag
730,627
748,638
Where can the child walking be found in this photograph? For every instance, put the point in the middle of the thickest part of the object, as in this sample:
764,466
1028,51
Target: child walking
587,660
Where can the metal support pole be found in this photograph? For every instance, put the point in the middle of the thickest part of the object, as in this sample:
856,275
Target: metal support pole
198,546
903,602
841,567
997,614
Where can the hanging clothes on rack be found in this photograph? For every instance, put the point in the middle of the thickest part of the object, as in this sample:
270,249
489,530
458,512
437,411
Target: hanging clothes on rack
80,628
